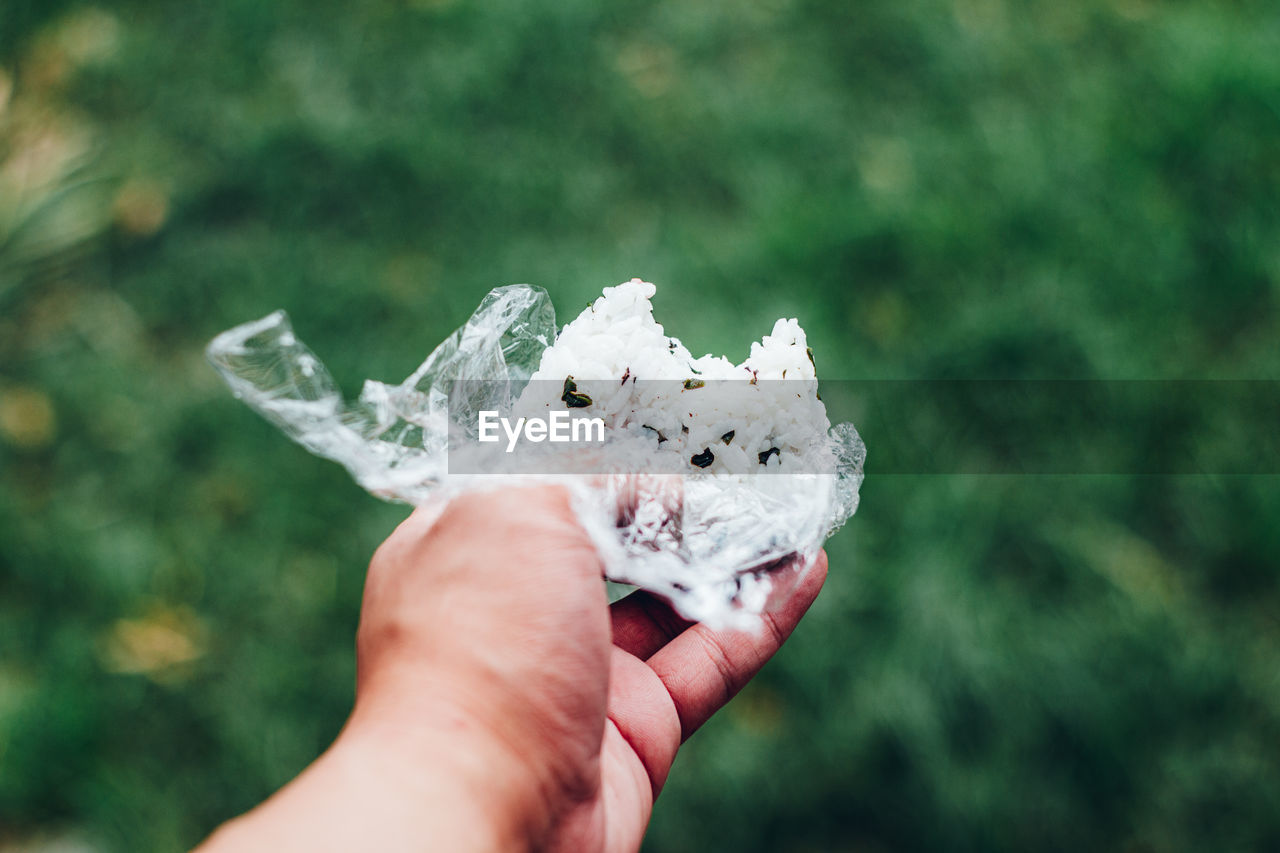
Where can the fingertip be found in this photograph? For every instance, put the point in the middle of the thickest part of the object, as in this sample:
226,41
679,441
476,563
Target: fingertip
792,603
817,575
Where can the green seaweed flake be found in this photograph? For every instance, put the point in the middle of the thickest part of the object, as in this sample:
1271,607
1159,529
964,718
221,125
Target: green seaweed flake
571,397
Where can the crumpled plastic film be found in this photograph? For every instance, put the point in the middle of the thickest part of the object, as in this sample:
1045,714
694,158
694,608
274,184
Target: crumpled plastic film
722,549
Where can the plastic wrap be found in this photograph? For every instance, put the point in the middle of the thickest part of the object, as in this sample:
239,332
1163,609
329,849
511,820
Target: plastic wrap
722,549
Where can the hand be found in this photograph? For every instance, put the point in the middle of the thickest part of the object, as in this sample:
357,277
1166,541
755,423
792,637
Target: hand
500,703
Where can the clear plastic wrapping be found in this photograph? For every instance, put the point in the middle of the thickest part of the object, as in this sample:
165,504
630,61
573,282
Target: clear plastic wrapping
721,548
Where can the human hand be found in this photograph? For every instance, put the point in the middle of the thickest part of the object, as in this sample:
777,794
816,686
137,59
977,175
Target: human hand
501,704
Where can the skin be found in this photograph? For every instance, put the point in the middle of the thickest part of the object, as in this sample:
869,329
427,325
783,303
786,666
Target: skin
501,703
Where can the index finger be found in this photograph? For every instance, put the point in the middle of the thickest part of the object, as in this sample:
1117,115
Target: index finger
643,623
703,669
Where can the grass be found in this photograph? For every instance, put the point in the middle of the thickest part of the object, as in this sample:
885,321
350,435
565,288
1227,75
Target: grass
977,188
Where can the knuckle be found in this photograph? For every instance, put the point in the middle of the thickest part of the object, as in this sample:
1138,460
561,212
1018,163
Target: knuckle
500,513
723,663
776,634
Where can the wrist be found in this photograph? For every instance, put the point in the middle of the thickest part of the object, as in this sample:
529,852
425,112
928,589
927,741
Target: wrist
390,783
445,765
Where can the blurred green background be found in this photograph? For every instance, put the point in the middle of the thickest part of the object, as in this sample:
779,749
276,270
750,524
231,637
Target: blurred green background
972,188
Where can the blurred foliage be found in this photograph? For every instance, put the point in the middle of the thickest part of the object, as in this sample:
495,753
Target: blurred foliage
950,188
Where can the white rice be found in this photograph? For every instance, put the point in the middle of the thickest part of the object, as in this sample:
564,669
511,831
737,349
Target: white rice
766,418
